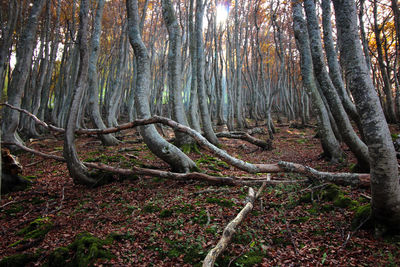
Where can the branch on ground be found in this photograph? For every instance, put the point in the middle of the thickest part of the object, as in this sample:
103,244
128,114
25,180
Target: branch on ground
230,229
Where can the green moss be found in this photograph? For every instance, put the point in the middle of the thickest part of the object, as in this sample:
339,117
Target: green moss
327,207
166,213
187,148
300,220
84,251
220,202
344,202
331,192
18,260
362,215
37,229
150,208
251,258
201,218
13,209
211,230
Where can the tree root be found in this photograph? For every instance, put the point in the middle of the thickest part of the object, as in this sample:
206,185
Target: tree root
230,229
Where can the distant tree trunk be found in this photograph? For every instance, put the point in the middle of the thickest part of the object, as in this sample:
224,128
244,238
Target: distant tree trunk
93,86
205,115
385,185
77,170
359,149
7,32
174,72
167,152
387,88
20,73
329,143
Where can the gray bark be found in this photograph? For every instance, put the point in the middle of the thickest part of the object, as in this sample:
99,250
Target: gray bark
333,63
164,150
77,170
329,142
205,115
385,185
93,87
20,73
359,149
174,71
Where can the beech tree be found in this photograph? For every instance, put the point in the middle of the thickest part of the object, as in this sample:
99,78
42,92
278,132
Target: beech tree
169,153
385,185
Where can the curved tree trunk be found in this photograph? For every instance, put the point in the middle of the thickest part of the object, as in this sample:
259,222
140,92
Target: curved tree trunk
359,149
329,142
77,170
93,87
205,115
174,72
20,73
385,185
164,150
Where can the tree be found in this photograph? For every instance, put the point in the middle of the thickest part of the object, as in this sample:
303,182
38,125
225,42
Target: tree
164,150
205,115
77,170
174,71
94,110
328,140
359,149
385,185
20,74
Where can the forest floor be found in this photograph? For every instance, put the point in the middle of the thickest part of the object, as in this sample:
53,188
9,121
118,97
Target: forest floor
159,222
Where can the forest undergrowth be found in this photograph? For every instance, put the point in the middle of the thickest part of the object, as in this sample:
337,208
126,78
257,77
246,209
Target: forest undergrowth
149,221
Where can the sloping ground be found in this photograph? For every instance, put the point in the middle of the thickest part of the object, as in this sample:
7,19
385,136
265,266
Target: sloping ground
148,221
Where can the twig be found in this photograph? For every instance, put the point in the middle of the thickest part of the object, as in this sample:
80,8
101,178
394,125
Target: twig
350,234
8,203
291,237
208,218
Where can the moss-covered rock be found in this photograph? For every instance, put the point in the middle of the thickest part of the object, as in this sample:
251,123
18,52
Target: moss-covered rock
18,260
344,202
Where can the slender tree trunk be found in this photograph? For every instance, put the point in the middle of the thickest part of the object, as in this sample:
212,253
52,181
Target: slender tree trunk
77,170
20,73
203,100
359,149
169,153
385,185
93,87
174,71
329,143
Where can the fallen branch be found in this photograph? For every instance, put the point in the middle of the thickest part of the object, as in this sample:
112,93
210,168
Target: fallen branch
230,229
354,179
265,145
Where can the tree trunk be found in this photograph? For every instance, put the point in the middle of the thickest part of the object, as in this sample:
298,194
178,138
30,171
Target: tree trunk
77,170
20,74
205,115
359,149
174,71
169,153
385,185
93,87
329,142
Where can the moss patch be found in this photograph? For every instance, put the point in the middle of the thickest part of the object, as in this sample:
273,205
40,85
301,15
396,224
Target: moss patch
362,215
18,260
35,230
221,202
84,251
251,258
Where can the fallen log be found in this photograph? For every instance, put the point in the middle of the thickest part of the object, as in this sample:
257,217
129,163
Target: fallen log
265,145
354,179
230,229
166,174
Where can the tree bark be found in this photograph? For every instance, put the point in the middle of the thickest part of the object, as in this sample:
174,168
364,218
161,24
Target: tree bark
164,150
329,142
20,74
385,185
93,86
77,170
359,149
174,71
